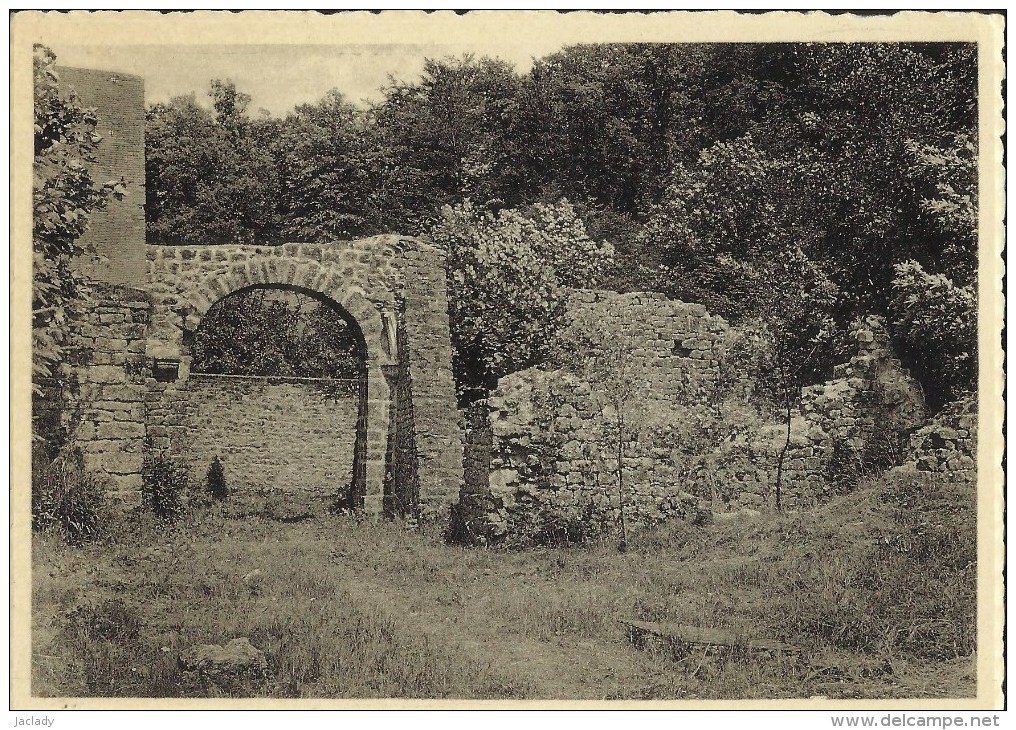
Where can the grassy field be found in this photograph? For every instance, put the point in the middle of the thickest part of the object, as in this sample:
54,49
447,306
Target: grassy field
877,587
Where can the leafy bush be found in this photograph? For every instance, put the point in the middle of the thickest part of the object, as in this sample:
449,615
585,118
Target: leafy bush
216,480
163,484
67,498
528,521
937,319
508,275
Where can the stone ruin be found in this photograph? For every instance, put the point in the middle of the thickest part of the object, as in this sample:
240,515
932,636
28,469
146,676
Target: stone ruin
396,442
132,390
544,439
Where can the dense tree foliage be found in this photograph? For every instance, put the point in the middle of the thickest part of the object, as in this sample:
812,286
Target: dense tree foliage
211,175
326,188
508,275
269,332
797,186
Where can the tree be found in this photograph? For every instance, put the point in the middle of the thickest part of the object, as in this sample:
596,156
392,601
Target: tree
508,274
455,130
64,198
935,314
872,106
709,167
741,228
866,165
937,318
265,332
327,188
211,175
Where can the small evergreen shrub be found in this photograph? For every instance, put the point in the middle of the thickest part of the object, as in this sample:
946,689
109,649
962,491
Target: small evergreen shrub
215,480
69,499
163,483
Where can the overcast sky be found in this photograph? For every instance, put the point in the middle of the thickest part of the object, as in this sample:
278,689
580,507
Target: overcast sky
279,77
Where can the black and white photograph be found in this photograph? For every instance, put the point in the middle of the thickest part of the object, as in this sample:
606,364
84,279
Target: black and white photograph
507,355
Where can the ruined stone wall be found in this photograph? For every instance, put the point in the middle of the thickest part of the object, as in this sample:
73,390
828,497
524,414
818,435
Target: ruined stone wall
435,421
553,442
118,231
283,434
99,405
548,436
948,443
843,428
674,345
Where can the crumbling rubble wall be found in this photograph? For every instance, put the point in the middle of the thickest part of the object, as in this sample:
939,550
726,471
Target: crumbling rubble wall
852,424
948,443
548,437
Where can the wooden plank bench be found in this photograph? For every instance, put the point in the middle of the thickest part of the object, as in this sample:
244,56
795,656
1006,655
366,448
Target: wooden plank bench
678,636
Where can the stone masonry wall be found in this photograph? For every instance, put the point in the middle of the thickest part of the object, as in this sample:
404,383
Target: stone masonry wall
437,424
102,404
547,437
118,231
948,443
673,344
554,442
279,433
840,427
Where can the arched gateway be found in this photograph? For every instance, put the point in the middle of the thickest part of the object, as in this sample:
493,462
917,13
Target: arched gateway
391,289
133,385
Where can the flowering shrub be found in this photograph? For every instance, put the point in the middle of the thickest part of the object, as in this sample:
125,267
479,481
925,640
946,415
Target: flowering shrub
508,275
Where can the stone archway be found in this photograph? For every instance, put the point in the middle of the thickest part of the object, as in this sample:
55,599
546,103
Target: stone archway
303,433
373,420
391,288
152,296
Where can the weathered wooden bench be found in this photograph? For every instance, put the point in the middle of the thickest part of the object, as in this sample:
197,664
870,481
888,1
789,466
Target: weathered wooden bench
681,637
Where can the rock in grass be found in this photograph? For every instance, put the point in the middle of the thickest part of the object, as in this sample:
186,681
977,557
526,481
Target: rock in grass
239,667
255,576
255,581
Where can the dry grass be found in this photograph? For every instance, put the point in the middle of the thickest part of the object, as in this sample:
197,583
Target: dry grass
877,587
